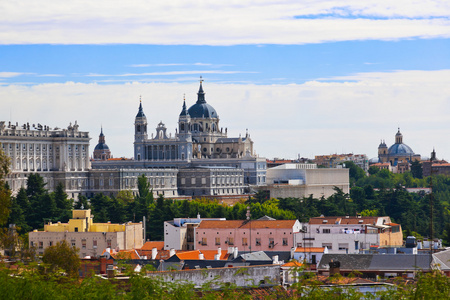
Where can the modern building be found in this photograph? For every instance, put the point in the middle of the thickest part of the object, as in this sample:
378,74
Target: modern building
350,234
303,180
89,237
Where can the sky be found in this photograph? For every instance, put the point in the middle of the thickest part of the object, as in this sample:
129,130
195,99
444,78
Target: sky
305,79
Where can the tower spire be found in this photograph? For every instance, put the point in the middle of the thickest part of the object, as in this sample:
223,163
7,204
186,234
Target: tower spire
201,93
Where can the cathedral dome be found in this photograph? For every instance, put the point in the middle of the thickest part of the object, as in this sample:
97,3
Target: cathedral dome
101,146
400,149
201,109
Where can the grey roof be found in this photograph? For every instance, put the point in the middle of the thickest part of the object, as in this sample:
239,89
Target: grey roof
442,259
374,262
258,255
266,218
184,111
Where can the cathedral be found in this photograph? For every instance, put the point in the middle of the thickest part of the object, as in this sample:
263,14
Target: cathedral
198,136
398,155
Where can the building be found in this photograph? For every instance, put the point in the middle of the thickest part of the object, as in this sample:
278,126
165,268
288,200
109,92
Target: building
350,234
398,155
91,238
58,155
254,235
334,160
198,160
199,149
179,234
303,180
101,151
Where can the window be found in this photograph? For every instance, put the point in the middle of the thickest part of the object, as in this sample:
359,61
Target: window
244,241
73,243
285,241
50,243
41,245
230,241
76,229
83,244
258,242
108,243
343,246
204,241
328,245
94,244
326,230
217,241
271,243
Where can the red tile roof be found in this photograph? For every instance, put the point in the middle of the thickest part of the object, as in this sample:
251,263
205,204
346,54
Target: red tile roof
195,255
153,244
293,263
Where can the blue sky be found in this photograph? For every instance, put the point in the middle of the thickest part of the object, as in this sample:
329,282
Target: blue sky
306,79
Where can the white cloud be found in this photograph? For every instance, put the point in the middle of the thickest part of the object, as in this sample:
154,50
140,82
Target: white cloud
170,73
224,23
351,114
10,74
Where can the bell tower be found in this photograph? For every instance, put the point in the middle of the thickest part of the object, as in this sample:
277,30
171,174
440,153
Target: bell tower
184,134
140,133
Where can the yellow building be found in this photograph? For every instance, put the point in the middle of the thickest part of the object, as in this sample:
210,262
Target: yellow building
91,238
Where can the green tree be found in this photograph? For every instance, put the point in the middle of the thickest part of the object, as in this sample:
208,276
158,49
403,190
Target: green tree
355,172
63,204
416,169
62,256
5,192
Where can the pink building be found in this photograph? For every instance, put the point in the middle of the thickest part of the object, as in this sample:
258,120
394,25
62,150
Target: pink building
254,235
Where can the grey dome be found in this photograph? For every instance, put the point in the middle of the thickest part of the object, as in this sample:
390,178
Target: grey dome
101,146
201,109
400,149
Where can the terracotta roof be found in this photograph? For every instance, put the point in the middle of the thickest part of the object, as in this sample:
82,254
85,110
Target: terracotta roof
195,254
310,249
381,164
125,254
207,224
351,220
119,158
293,263
162,254
441,165
151,245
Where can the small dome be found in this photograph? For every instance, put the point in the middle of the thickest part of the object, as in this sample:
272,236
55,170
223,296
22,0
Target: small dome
101,146
400,149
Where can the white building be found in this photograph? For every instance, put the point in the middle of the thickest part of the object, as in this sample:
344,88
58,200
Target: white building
350,234
302,180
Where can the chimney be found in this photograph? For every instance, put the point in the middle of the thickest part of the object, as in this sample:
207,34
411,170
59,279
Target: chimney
198,216
172,252
292,252
235,252
154,253
335,267
275,260
219,251
230,250
201,256
217,257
